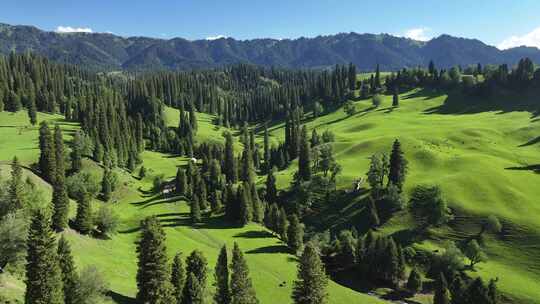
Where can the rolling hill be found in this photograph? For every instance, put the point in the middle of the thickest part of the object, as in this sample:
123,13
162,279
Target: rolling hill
483,160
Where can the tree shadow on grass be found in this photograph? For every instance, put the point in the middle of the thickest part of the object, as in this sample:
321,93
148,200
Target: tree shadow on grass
533,168
531,142
120,298
254,234
156,200
270,249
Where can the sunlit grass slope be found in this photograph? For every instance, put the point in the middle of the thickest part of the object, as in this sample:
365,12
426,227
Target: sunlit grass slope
485,163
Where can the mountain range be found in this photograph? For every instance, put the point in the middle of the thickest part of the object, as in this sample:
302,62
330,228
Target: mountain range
105,51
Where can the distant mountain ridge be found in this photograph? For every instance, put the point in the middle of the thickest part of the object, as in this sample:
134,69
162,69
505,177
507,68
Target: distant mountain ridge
110,52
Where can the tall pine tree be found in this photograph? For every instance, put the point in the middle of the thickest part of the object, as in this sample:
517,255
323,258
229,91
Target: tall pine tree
398,166
221,273
310,286
70,277
242,291
43,277
178,278
153,277
304,160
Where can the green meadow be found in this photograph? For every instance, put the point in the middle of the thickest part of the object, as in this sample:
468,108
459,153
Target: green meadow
484,161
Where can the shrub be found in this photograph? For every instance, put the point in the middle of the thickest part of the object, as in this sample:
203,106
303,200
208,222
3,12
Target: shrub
349,108
328,136
81,183
158,182
106,220
376,100
92,285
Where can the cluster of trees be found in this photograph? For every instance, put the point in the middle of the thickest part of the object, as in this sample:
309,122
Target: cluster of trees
488,80
186,282
51,275
53,168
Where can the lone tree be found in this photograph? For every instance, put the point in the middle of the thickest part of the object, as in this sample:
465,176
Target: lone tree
70,278
395,98
195,209
32,112
349,108
271,189
414,283
242,291
178,278
77,147
398,166
310,286
153,277
84,221
15,197
492,224
221,274
295,234
43,277
47,158
304,161
196,264
474,252
428,206
442,294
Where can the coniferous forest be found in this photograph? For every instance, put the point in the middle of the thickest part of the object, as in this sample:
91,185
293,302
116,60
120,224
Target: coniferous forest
245,184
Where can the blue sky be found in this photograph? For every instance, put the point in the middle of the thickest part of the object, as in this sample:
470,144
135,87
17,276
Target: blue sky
502,23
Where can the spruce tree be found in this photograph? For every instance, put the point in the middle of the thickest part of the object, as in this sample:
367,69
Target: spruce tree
245,205
395,98
60,165
43,277
60,202
153,277
181,182
106,185
231,172
248,171
304,162
32,112
221,274
398,166
47,158
195,209
266,143
242,291
76,152
15,189
193,291
178,278
282,225
196,265
414,283
84,218
310,286
70,277
442,295
295,234
271,189
258,206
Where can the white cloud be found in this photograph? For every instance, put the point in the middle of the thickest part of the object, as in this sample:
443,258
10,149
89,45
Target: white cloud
69,29
216,37
529,39
419,33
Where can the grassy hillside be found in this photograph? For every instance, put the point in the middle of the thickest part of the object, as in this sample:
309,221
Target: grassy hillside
484,162
272,269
